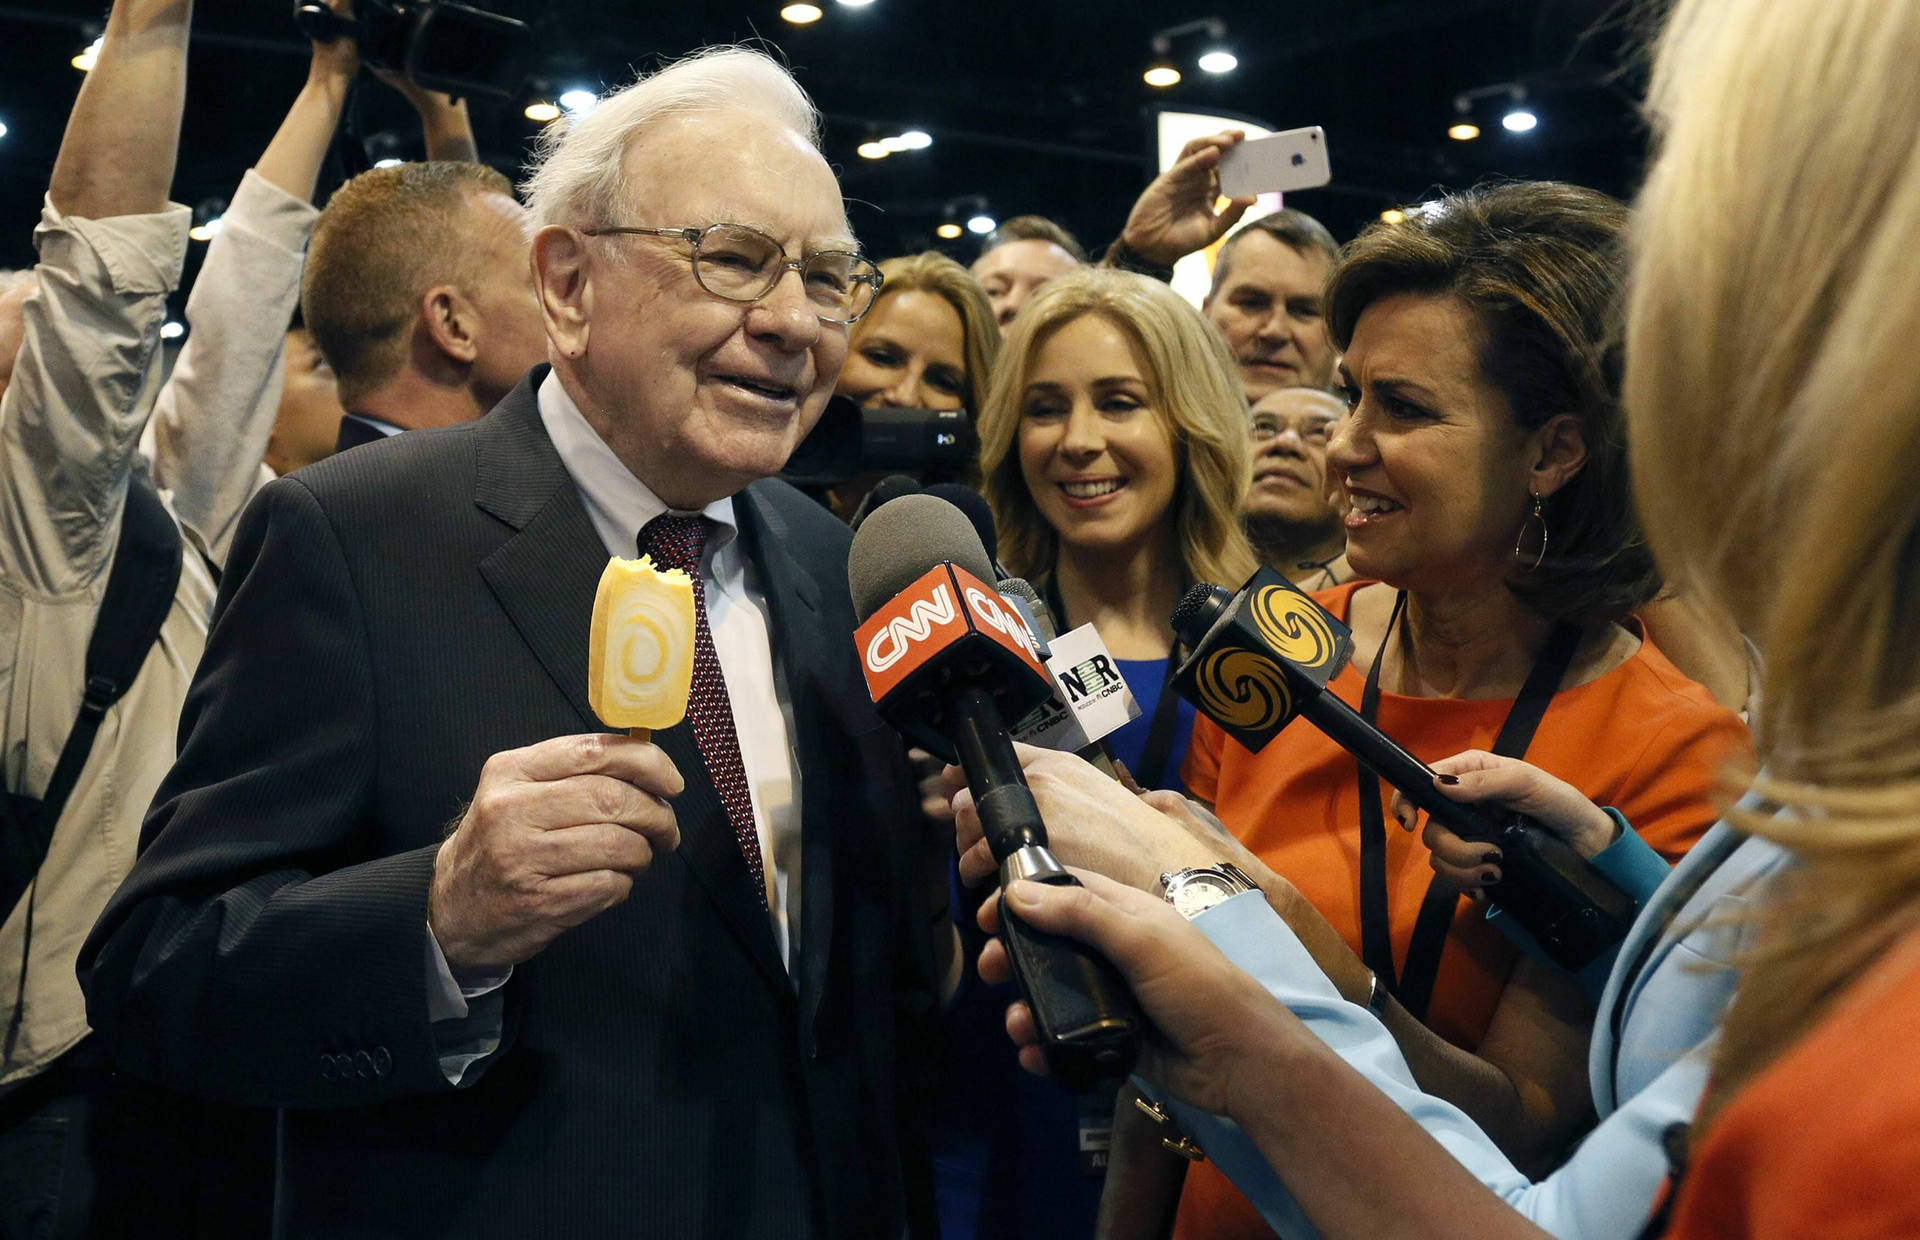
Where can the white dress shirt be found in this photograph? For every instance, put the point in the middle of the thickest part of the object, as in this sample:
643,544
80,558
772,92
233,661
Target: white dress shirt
620,505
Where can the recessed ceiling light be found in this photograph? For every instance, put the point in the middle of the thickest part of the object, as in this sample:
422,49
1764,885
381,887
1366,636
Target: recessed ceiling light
542,111
1220,60
1465,131
1162,75
949,231
1519,120
801,14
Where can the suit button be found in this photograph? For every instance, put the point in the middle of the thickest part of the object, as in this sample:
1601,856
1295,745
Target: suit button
326,1067
382,1061
363,1065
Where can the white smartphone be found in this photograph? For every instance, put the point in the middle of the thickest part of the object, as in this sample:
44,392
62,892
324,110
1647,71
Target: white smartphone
1296,159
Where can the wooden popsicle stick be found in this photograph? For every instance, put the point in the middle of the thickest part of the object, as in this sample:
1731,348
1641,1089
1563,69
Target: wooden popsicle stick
641,734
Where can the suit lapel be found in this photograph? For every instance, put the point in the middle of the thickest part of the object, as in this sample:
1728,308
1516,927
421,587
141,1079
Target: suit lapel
793,601
545,576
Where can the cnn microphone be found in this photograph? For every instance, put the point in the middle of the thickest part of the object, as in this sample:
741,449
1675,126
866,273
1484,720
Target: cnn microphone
949,663
1264,656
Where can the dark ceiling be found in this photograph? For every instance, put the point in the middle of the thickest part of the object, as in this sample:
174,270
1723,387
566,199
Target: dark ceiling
1035,105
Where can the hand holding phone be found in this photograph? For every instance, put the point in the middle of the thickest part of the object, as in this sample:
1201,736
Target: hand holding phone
1295,159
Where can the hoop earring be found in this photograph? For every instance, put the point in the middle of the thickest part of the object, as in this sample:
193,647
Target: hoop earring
1536,516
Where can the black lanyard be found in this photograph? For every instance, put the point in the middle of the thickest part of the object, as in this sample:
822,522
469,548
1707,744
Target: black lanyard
1166,710
1414,987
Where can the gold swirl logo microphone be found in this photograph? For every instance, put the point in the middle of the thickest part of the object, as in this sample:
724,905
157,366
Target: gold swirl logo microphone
1240,690
1295,626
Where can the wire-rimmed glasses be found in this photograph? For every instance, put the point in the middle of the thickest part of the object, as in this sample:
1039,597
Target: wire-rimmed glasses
743,264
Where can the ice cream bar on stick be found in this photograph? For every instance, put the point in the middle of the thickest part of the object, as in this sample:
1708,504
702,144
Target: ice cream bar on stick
640,661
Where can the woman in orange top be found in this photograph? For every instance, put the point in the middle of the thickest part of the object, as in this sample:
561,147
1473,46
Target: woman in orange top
1482,469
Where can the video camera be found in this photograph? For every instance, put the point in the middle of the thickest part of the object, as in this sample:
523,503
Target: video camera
848,440
438,44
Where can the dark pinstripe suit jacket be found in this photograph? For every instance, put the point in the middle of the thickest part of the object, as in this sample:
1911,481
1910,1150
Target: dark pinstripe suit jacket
388,620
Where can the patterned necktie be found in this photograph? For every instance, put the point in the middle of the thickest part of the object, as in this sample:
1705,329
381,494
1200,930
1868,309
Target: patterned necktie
675,542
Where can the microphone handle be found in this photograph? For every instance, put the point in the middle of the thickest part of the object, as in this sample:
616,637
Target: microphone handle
1574,912
1088,1021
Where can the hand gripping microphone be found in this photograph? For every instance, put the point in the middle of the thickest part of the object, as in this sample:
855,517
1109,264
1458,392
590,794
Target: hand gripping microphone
1263,657
949,663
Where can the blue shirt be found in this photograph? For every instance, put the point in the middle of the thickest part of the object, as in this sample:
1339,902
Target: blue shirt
1146,677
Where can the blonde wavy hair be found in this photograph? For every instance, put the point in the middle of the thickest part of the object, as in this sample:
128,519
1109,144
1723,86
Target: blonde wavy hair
933,272
1774,396
1195,390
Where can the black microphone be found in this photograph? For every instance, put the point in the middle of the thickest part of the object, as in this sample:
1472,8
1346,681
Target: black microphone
974,505
1264,656
949,663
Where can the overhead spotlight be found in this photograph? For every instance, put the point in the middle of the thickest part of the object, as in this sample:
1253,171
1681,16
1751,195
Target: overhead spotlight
1465,131
855,4
873,150
578,100
1161,75
87,57
207,231
171,330
949,231
543,111
1519,121
388,162
1219,60
1393,215
915,140
3,129
981,225
801,14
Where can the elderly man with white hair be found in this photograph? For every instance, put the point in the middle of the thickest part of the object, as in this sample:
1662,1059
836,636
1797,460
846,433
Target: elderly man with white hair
504,972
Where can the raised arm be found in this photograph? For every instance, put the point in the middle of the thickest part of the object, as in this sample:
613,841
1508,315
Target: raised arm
215,415
110,251
443,119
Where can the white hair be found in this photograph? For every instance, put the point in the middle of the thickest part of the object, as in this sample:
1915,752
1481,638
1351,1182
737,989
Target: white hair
578,173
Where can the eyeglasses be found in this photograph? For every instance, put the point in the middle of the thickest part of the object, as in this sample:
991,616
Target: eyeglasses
743,264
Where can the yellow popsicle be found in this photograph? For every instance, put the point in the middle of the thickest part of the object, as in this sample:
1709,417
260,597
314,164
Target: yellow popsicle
640,657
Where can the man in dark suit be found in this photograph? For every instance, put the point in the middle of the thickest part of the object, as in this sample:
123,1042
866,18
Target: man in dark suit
507,974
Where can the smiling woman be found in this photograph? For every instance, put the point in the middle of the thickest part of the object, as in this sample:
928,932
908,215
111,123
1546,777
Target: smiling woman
1481,470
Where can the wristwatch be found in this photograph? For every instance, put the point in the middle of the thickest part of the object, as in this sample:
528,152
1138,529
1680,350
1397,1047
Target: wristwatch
1195,891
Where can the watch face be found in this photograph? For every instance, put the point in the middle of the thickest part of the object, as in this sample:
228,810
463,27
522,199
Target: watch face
1200,892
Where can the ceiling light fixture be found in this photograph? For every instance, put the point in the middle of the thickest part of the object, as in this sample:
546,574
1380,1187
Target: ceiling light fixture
1464,131
873,150
207,231
802,14
543,111
578,100
3,129
981,225
1520,120
172,330
856,4
1219,60
1394,215
949,231
1161,75
87,57
915,140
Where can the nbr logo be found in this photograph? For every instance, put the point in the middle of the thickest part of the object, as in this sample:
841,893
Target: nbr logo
1094,678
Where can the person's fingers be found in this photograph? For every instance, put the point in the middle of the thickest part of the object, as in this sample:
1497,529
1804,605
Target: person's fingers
583,849
1464,863
641,763
989,915
574,898
1020,1026
1230,215
1167,801
967,828
994,965
1404,811
977,864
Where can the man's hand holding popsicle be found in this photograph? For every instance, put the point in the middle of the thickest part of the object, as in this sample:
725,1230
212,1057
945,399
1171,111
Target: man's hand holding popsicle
556,831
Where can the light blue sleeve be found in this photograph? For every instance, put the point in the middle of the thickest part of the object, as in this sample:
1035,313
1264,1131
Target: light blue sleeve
1605,1191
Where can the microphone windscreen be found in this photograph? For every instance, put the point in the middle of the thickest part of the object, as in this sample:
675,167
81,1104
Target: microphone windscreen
889,488
970,501
901,540
1023,589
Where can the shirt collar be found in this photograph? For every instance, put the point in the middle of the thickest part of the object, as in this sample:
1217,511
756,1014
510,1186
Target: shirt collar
619,504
